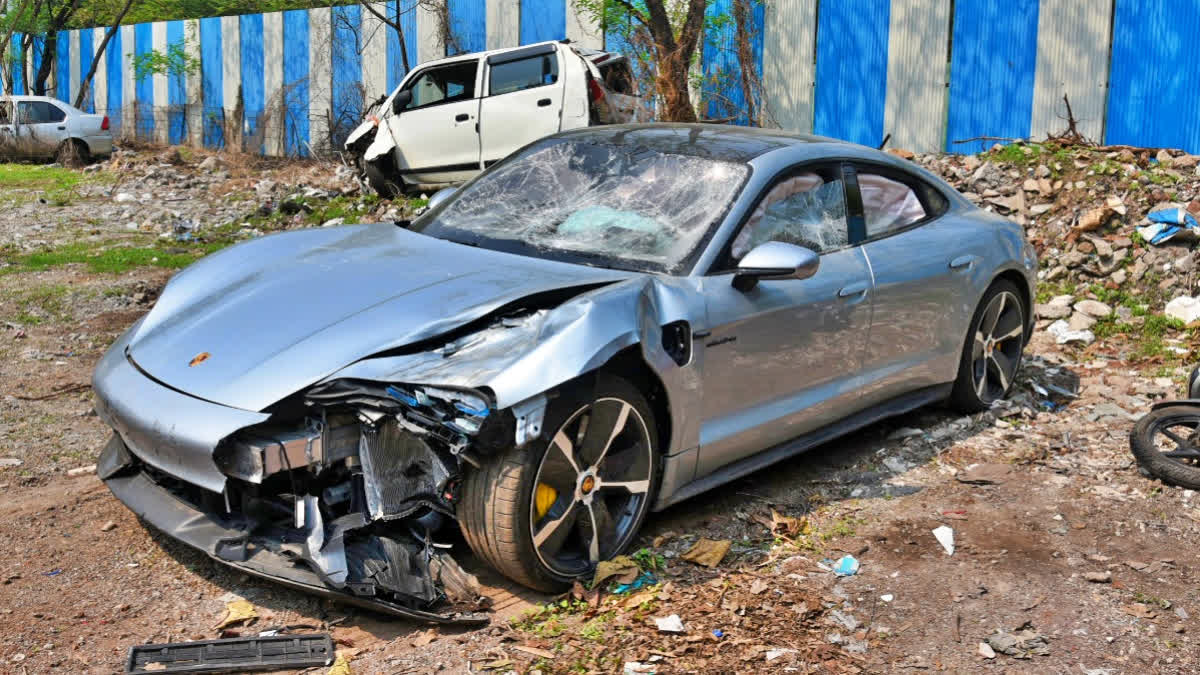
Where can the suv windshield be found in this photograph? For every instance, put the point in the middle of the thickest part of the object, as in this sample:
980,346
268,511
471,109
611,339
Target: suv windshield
626,207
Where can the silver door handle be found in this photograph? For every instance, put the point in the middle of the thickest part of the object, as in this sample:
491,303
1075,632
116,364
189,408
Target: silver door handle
962,261
853,289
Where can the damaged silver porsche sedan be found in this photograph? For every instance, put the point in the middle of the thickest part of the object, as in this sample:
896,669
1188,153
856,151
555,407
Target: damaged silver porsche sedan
609,321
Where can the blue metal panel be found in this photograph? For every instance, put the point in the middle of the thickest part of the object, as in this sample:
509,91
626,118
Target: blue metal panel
176,89
35,61
250,29
1155,75
113,82
403,12
852,50
295,81
85,64
543,20
212,81
62,66
992,64
346,71
722,90
18,66
143,44
468,25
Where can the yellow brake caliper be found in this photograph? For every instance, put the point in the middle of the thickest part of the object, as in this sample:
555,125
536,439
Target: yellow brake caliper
543,499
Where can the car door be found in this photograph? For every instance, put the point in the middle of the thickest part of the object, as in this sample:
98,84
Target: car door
436,135
524,99
42,127
922,265
782,358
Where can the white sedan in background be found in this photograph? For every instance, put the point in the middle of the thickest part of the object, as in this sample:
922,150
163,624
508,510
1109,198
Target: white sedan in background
40,127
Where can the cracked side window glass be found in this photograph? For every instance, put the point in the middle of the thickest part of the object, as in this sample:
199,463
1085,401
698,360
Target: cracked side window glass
804,210
616,203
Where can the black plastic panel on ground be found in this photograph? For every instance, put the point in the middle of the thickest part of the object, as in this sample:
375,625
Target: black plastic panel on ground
232,655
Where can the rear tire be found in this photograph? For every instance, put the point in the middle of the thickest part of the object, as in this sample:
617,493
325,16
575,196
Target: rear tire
992,350
499,507
72,153
1182,472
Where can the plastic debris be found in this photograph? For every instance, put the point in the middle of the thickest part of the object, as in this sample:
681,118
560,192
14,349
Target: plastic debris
1063,334
945,537
669,624
773,654
1185,308
707,552
621,569
718,633
637,668
1166,224
887,597
846,567
341,666
643,580
236,612
54,572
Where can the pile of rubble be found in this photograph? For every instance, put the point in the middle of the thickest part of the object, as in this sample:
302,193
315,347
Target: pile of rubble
1082,207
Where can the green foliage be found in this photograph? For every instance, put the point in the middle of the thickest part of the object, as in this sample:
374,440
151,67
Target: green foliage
106,260
175,61
649,560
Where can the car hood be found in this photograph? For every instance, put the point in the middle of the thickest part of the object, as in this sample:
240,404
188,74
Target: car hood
252,324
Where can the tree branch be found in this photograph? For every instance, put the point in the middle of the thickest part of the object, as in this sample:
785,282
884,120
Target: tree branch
86,84
395,25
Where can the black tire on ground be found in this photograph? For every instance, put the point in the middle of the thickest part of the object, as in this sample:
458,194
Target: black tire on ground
966,396
1151,458
382,178
72,153
496,509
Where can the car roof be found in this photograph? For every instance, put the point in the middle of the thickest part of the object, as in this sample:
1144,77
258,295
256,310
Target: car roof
478,55
25,97
718,141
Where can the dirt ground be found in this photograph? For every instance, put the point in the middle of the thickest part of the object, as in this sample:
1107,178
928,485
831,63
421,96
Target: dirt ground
1063,552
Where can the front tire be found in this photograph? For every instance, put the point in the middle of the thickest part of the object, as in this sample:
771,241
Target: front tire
992,351
380,175
546,513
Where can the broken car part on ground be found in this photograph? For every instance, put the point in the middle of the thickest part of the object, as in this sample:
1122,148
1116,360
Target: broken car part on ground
678,306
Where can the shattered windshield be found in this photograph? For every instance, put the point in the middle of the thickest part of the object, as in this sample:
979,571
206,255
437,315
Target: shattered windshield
611,205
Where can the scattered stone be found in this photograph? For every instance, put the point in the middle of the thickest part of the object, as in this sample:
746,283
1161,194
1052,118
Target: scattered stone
1063,334
9,462
1093,308
1080,322
82,470
108,527
210,163
1185,308
124,198
1059,307
986,651
334,221
1104,577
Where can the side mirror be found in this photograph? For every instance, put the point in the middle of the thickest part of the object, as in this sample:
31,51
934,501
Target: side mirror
775,260
440,196
401,100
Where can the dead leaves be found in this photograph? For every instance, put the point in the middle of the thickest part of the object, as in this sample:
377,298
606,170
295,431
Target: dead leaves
237,612
707,552
621,569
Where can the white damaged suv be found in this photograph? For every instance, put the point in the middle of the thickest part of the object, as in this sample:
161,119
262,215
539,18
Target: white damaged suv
449,119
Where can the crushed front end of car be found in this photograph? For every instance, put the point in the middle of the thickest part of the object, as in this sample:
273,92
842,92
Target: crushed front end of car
337,491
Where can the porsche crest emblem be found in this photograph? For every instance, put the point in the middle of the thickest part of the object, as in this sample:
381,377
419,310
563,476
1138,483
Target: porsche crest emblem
198,359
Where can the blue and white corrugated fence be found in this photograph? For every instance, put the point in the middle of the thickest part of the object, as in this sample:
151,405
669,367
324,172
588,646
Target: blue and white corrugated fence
928,73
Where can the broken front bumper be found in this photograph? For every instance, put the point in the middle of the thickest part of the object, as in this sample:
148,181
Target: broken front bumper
230,540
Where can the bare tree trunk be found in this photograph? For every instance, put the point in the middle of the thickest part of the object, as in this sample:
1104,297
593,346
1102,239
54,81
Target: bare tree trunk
394,25
86,84
742,24
50,45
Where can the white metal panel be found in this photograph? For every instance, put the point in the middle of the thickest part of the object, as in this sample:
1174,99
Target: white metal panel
320,76
1072,59
100,79
582,28
158,34
789,44
128,86
429,44
504,23
273,82
194,83
914,109
76,59
374,52
231,67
